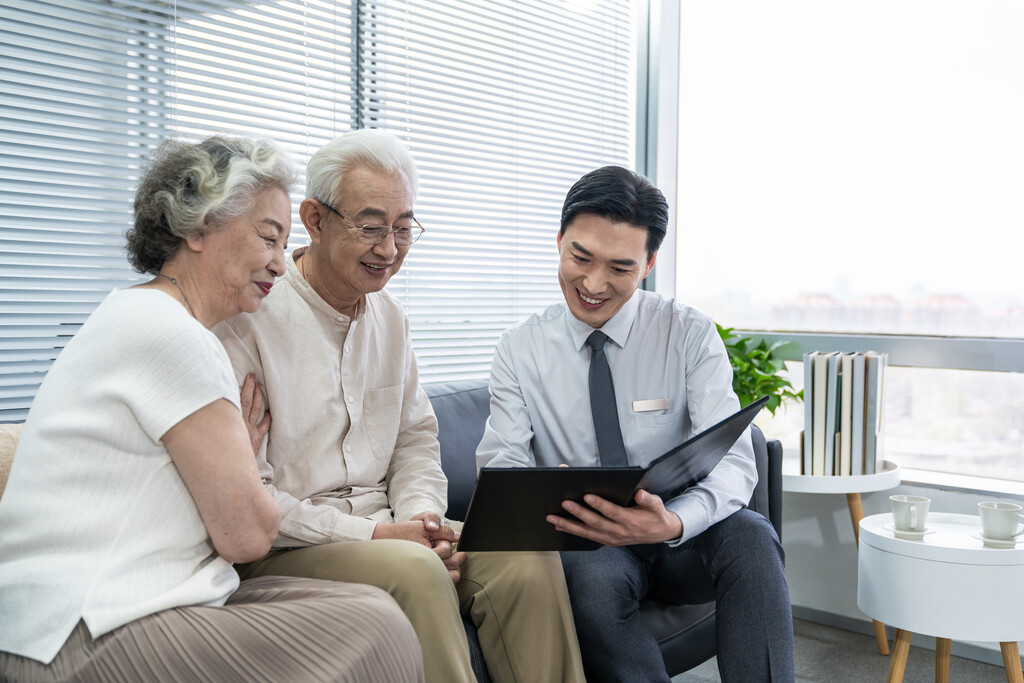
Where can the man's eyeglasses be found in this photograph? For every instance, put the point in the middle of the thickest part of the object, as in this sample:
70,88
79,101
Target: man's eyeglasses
375,234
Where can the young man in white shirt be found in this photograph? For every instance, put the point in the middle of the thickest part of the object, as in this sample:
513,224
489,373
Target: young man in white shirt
670,378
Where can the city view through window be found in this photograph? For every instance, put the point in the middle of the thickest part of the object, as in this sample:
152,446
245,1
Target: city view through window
860,169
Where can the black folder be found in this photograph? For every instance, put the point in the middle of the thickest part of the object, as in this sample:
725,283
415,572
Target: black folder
509,504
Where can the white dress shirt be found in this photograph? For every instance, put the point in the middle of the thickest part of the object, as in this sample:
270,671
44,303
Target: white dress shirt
353,438
659,352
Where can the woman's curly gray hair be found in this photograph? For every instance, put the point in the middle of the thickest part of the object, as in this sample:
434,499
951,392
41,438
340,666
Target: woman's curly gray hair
190,187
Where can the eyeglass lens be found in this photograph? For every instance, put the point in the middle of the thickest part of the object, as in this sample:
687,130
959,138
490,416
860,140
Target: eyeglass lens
375,234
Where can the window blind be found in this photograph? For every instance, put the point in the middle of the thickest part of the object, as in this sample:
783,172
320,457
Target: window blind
504,105
74,123
89,88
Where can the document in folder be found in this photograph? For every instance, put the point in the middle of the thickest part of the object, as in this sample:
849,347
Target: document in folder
509,504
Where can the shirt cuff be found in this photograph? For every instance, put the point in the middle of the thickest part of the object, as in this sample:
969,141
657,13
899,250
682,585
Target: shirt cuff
407,510
691,514
352,528
672,543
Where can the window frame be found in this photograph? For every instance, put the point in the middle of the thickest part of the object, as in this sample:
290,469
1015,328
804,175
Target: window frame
992,354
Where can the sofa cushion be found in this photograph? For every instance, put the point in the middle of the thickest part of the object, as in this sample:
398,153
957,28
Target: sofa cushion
462,408
9,434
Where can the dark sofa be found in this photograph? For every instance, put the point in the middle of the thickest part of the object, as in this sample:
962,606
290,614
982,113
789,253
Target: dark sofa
685,633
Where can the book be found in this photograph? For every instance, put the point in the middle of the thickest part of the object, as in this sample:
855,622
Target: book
509,506
873,378
844,467
832,388
806,445
879,431
857,415
818,409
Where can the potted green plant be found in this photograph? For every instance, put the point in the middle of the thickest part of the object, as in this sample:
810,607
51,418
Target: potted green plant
757,370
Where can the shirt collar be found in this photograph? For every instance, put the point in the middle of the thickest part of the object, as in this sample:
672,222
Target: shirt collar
306,291
617,328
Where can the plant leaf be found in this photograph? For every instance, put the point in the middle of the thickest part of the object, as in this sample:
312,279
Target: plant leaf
757,369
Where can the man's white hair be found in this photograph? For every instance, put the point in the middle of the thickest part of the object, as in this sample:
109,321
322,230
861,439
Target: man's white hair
370,148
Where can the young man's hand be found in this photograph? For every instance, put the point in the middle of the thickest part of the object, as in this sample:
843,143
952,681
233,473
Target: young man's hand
611,524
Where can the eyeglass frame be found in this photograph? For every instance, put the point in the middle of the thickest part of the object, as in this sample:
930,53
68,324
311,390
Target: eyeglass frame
389,230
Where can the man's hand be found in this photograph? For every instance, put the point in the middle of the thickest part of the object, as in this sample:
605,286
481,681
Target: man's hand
407,531
611,524
452,560
436,528
252,406
441,538
427,529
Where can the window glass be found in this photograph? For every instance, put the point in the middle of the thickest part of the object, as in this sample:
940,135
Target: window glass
857,168
853,167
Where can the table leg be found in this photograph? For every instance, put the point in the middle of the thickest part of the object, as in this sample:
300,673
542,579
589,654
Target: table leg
1011,660
857,514
900,650
942,646
881,637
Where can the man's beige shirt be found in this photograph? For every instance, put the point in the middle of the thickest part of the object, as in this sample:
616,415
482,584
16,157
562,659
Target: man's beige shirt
353,438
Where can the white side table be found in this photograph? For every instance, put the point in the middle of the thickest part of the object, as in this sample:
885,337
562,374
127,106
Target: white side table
947,585
852,486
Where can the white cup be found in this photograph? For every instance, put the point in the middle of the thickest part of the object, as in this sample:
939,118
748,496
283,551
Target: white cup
1000,521
909,512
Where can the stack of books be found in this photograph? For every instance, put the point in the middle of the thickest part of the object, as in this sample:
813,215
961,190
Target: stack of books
842,413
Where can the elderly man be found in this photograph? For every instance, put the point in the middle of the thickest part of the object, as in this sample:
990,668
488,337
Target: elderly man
617,376
352,457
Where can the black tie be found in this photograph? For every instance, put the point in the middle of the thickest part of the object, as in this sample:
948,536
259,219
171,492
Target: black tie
602,405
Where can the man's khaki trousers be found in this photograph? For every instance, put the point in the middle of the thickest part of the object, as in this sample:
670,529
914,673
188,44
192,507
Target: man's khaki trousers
517,600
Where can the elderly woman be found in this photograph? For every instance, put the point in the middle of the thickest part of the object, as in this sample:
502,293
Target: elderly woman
135,485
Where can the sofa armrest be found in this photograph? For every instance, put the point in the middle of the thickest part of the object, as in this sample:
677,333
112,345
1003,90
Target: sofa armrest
775,485
767,497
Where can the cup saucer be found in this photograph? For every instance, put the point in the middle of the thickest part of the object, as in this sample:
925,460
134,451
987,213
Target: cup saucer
997,542
907,535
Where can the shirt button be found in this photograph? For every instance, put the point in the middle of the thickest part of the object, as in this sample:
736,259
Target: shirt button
348,448
351,399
